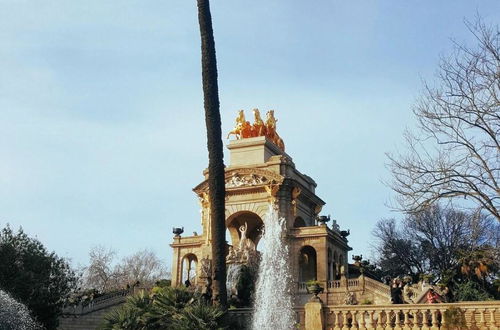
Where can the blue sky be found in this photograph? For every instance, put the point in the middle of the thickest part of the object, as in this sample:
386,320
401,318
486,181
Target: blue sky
102,127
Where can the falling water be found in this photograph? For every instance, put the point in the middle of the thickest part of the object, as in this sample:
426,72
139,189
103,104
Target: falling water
233,274
273,299
14,315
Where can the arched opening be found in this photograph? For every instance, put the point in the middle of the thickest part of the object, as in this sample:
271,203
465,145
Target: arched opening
299,222
189,265
237,221
307,264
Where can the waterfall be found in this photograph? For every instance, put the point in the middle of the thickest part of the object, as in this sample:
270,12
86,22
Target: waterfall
233,274
273,307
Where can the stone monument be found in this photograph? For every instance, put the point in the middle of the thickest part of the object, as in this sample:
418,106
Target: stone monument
261,172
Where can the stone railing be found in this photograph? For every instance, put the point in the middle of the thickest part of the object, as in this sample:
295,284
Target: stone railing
104,301
353,283
478,315
242,317
377,286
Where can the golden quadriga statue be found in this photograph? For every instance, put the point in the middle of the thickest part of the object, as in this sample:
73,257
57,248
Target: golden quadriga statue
244,129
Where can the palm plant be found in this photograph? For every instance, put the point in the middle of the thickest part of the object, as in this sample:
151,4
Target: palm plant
200,316
166,303
166,309
216,180
131,315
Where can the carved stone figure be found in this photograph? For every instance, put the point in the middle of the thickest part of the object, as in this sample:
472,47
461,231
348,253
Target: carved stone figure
245,243
350,298
245,252
231,256
206,267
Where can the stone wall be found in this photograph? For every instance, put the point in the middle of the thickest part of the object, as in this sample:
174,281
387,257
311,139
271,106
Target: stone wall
90,321
90,316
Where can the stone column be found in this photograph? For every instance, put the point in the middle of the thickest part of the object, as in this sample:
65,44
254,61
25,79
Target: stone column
176,264
315,319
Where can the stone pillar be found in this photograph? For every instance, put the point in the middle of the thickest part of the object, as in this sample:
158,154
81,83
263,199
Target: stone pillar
315,319
343,278
176,264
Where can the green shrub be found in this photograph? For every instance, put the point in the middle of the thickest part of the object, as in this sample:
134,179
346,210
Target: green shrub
366,301
165,308
471,291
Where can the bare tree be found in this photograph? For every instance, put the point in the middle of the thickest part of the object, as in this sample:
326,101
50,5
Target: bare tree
434,241
100,274
104,274
143,267
456,150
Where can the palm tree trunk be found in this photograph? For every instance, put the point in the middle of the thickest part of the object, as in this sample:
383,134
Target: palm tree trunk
216,180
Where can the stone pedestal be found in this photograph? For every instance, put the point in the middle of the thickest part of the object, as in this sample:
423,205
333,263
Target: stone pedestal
315,319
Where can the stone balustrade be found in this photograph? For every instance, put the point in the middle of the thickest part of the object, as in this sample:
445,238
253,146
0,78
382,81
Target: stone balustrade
478,315
242,317
353,283
109,299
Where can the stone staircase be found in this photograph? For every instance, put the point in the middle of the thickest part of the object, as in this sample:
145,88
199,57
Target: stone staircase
90,316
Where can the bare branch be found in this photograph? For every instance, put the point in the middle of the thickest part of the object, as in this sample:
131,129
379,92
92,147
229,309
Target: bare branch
456,150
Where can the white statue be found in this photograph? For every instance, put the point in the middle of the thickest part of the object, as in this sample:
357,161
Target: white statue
245,242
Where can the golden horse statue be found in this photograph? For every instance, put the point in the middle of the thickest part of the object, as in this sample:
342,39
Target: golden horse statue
243,129
258,128
271,130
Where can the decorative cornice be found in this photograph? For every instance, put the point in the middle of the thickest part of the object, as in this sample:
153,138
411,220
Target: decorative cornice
239,178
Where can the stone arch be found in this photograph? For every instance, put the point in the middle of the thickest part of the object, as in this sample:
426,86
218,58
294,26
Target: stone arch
258,208
189,267
307,264
238,219
299,222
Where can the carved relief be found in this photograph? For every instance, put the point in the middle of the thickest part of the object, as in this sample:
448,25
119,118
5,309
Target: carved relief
206,267
246,177
272,190
238,180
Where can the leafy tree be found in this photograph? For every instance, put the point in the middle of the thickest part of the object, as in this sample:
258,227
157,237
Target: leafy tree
216,179
453,247
33,276
471,291
455,153
14,315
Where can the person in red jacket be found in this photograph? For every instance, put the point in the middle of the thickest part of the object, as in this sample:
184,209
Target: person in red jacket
433,297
